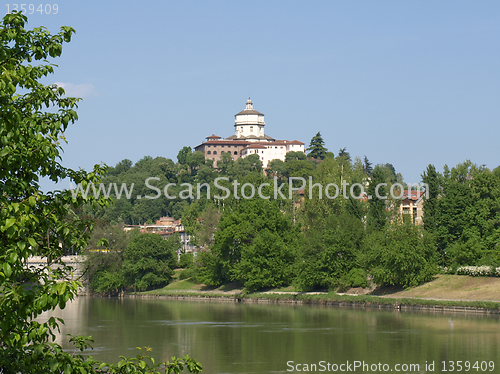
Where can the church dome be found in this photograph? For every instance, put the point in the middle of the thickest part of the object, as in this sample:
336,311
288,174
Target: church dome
249,109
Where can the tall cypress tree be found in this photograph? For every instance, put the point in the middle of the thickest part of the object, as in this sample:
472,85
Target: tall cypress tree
367,166
377,213
431,178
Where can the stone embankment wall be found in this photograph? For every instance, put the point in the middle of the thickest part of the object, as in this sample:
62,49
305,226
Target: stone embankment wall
76,262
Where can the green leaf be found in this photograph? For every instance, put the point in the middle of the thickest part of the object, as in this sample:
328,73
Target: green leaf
7,270
32,242
62,288
8,223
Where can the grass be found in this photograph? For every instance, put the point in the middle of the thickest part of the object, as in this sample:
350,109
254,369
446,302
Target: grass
443,291
454,287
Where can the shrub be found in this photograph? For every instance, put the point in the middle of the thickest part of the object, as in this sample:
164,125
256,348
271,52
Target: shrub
186,260
186,273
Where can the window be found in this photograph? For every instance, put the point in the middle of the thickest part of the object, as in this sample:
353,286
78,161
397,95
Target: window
251,128
215,152
235,152
209,152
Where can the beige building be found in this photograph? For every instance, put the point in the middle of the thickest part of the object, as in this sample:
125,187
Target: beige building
249,138
413,203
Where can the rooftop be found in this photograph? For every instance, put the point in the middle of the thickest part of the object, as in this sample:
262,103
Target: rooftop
249,109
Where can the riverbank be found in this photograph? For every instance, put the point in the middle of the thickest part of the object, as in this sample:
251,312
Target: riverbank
444,293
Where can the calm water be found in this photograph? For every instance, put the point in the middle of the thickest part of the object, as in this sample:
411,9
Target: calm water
228,337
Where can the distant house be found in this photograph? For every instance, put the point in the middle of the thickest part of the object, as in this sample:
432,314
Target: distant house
249,138
413,203
166,226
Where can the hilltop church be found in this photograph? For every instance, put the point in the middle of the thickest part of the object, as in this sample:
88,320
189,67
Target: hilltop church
248,139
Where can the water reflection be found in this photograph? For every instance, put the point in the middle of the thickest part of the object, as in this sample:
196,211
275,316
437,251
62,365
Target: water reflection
232,337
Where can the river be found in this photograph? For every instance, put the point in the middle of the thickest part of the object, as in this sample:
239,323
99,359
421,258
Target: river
229,337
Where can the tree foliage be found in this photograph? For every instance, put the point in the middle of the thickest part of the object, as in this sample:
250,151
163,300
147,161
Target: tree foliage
367,166
329,251
33,118
343,154
317,147
255,244
377,209
149,261
466,215
400,254
431,178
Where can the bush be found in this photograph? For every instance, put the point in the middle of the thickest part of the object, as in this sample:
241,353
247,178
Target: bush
357,278
187,273
108,282
103,271
186,260
208,269
479,271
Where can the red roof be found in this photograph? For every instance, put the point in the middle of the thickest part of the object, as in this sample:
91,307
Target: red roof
213,136
216,140
255,146
413,195
223,142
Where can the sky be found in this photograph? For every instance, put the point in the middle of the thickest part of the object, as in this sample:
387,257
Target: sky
409,83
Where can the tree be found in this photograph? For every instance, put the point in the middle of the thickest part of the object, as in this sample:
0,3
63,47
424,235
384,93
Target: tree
317,147
390,173
104,258
377,213
401,254
277,168
33,119
329,252
295,155
467,224
255,244
431,178
182,156
344,154
195,160
121,167
149,261
367,166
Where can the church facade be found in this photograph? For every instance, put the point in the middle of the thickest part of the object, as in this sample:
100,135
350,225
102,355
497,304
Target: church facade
249,138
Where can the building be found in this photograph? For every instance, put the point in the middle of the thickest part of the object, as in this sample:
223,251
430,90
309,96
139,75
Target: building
249,138
413,203
166,226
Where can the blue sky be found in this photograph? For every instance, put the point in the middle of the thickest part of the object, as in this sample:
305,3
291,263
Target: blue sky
407,83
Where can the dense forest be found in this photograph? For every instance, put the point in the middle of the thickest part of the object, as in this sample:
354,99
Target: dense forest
304,238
